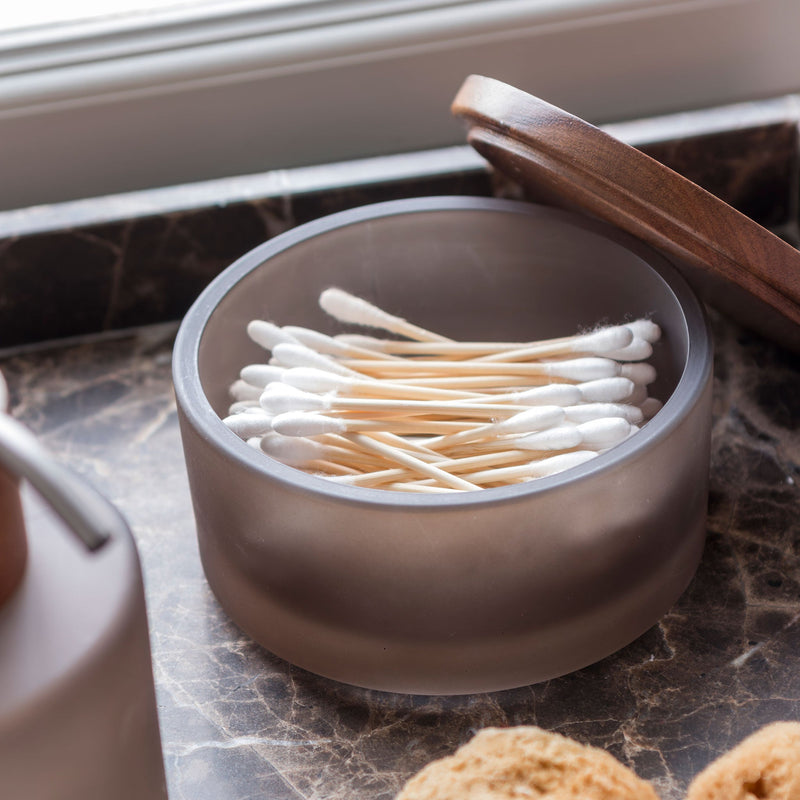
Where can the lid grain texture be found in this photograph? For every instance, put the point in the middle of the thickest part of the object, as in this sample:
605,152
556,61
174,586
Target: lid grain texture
735,263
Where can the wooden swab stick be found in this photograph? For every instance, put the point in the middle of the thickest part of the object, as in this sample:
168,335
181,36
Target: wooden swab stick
402,347
599,342
454,465
574,370
279,397
599,434
484,383
533,419
316,380
419,486
327,345
347,308
414,464
533,469
639,329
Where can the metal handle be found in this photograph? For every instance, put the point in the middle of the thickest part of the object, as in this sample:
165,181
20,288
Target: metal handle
86,512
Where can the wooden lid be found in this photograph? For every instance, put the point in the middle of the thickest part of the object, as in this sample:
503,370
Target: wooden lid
733,262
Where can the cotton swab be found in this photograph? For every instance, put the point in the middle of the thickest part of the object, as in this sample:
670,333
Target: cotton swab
533,419
311,379
533,469
427,413
242,391
289,354
585,412
261,374
645,329
599,342
605,390
347,308
650,406
309,453
328,345
576,370
602,339
637,350
454,465
278,398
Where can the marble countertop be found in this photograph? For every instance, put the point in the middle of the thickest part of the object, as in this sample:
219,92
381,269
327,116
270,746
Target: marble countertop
103,279
238,723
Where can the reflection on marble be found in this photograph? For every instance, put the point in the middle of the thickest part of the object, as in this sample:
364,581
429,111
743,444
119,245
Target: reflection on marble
239,723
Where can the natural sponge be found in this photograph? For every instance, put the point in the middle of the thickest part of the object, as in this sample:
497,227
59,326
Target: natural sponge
526,762
765,766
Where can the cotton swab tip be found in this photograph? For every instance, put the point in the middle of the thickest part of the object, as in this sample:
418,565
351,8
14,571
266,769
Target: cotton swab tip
556,394
605,390
645,329
261,374
562,437
292,450
279,398
242,391
584,412
641,373
603,340
583,369
560,463
267,334
534,419
600,434
637,350
246,425
302,423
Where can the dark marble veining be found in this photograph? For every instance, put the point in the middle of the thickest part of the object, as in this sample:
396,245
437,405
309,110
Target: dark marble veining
239,723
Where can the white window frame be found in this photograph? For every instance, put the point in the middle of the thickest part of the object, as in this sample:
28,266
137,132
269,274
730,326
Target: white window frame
193,93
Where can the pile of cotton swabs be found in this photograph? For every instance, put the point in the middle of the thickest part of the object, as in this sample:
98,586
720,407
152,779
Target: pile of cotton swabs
429,414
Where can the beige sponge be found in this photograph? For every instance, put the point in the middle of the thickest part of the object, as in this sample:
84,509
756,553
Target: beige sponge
765,766
526,762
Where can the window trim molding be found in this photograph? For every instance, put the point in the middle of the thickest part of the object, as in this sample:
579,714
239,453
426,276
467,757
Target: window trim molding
181,49
116,105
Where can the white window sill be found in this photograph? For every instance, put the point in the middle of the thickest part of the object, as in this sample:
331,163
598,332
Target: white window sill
109,106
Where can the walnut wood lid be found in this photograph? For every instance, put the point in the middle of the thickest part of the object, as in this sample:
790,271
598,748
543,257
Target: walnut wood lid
734,263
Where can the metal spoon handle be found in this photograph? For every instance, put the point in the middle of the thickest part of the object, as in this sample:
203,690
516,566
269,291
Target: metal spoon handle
85,511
